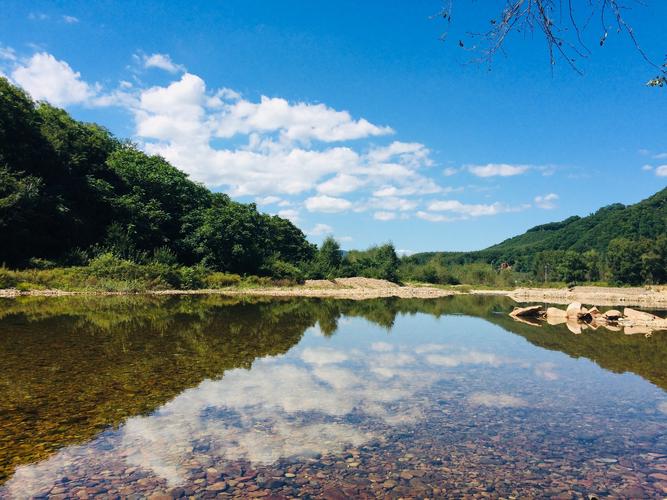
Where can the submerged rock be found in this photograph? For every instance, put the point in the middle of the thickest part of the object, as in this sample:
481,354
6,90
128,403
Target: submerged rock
530,311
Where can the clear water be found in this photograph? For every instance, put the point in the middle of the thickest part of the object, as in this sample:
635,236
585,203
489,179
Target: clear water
209,396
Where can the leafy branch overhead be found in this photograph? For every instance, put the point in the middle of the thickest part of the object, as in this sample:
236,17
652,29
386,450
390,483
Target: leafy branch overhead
563,24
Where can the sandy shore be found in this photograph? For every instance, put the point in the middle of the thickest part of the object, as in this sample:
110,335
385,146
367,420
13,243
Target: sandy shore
592,295
342,288
367,288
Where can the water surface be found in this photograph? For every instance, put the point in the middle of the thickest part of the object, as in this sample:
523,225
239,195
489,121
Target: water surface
383,398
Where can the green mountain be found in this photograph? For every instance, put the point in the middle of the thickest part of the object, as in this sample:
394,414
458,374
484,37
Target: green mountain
635,232
71,190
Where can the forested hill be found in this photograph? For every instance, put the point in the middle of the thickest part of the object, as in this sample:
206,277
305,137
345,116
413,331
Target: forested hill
637,226
69,190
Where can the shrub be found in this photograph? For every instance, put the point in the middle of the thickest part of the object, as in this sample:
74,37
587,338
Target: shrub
221,280
7,278
281,270
192,277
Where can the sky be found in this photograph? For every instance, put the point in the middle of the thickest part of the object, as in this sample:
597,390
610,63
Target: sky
355,119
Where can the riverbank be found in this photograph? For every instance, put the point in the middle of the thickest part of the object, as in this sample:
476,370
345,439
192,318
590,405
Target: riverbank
368,288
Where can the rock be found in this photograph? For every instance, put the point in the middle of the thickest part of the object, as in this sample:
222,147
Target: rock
573,326
274,484
612,315
554,312
217,487
289,474
594,312
389,484
634,330
573,310
635,315
530,311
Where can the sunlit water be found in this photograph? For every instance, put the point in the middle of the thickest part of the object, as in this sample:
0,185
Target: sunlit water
386,398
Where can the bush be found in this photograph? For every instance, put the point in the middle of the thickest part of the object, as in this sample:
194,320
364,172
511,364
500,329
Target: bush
7,278
221,280
281,270
37,263
192,278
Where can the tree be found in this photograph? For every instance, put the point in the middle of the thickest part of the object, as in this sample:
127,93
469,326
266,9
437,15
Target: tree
561,23
328,260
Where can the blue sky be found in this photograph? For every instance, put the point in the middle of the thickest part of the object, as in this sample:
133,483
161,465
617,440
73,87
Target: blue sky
353,118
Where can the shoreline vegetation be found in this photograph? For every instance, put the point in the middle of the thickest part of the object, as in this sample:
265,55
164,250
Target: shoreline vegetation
360,288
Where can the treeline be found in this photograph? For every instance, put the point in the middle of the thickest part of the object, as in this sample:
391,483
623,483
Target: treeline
617,244
625,262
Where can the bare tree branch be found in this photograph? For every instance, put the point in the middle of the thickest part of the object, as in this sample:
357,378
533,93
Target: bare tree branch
564,37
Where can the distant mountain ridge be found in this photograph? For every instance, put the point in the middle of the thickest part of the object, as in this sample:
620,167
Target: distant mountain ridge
645,219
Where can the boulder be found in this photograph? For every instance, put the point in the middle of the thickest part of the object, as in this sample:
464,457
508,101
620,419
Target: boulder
612,315
573,325
530,311
594,312
633,330
573,310
634,315
554,312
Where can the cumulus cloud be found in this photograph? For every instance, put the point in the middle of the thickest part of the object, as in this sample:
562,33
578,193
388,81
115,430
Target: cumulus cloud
497,170
384,216
472,210
321,230
161,61
340,184
661,171
547,202
290,213
296,122
47,78
327,204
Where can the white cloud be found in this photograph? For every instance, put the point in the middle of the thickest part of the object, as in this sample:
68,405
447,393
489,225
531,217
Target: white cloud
70,19
7,54
268,200
320,230
660,156
327,204
295,122
449,171
497,169
661,171
647,168
472,210
384,216
434,217
340,184
46,78
291,214
162,61
547,202
391,203
496,400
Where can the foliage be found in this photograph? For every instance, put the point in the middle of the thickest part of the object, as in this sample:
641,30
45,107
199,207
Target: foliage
70,190
577,249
